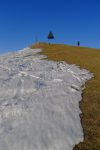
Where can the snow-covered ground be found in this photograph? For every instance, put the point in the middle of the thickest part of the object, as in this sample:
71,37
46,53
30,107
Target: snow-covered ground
39,102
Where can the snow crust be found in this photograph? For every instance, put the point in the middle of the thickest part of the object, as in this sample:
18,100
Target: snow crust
39,102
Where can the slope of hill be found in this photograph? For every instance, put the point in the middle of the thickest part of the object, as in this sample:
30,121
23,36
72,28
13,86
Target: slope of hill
90,105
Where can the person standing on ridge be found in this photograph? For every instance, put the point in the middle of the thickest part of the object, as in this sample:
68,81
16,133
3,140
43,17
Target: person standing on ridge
78,43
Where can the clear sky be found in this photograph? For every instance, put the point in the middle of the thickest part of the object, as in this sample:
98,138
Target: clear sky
24,21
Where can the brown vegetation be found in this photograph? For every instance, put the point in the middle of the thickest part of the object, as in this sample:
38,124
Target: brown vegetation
90,105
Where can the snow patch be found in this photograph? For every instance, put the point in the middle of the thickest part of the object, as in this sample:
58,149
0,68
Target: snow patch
39,102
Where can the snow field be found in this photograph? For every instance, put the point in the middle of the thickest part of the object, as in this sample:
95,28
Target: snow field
39,102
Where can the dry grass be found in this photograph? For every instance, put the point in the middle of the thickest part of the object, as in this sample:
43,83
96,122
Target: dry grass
90,105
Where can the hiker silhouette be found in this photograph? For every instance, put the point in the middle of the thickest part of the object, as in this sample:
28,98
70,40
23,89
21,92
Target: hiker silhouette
78,43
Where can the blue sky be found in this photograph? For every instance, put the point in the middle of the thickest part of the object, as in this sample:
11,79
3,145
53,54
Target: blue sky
21,21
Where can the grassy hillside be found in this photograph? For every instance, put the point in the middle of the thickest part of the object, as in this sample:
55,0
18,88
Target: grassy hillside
90,105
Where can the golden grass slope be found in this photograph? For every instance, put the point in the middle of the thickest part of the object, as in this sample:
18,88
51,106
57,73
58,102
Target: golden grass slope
90,105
